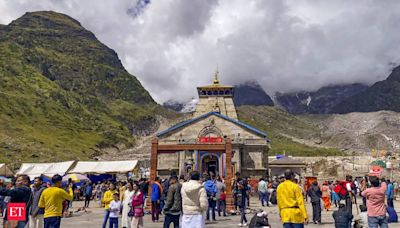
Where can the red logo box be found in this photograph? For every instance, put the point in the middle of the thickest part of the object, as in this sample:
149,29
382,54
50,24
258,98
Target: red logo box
16,211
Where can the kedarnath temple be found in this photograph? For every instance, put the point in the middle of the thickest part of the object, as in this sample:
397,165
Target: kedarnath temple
213,141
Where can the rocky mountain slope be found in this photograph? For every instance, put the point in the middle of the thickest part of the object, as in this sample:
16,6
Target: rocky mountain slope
360,132
309,135
65,95
290,134
383,95
322,101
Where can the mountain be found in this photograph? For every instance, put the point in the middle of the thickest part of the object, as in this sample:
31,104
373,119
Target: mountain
325,135
290,134
251,93
360,132
64,94
321,101
383,95
173,105
181,107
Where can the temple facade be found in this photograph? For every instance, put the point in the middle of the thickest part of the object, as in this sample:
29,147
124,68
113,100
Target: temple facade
213,141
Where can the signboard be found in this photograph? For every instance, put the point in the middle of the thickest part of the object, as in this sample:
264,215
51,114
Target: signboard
375,170
16,211
210,139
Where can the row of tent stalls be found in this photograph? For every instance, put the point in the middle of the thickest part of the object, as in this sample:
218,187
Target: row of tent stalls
6,174
82,171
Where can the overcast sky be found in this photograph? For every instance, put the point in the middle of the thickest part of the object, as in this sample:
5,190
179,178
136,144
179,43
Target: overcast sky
172,46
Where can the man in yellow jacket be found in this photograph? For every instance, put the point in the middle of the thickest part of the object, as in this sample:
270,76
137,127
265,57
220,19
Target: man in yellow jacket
291,203
108,197
51,200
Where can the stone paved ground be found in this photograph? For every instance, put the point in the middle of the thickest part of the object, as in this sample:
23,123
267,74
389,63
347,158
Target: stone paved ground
93,219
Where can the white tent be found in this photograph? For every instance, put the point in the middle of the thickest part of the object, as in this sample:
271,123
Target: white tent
104,167
5,171
47,169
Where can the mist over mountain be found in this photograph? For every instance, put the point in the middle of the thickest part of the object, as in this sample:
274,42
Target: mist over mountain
383,95
173,105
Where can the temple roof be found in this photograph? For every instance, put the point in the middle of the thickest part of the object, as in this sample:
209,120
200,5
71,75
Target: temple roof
215,84
188,122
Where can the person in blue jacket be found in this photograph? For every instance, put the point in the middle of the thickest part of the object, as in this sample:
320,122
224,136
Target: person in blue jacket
88,193
156,191
211,189
390,194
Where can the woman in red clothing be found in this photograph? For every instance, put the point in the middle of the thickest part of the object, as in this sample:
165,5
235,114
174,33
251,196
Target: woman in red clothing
326,195
137,207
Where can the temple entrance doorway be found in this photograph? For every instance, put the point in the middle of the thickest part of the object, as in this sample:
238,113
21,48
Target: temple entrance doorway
210,164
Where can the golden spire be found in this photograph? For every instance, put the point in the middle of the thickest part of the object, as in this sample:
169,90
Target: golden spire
216,80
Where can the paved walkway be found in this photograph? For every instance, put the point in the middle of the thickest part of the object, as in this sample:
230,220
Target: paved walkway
93,218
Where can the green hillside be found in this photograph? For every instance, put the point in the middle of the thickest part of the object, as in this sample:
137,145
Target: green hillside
63,94
279,125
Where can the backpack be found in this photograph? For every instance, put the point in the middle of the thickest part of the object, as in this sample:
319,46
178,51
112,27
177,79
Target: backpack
341,190
210,194
273,198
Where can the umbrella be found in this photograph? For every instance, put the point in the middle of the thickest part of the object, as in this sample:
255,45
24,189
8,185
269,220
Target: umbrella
75,177
6,179
379,163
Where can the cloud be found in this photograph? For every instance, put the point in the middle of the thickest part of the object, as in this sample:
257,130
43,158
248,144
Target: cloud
139,8
172,46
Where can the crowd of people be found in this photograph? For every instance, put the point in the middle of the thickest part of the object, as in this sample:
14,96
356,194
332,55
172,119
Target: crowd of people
182,201
191,201
44,203
376,209
185,202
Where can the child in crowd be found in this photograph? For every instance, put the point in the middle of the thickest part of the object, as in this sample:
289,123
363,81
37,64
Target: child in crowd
342,217
222,204
115,206
363,216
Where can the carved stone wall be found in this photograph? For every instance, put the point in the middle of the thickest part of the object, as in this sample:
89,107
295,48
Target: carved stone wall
168,161
189,134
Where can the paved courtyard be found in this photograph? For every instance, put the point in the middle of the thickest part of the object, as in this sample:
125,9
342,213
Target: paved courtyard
93,218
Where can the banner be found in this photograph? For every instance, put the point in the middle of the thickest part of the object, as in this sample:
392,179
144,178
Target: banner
210,140
375,170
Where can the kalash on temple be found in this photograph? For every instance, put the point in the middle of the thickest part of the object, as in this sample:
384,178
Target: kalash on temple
213,141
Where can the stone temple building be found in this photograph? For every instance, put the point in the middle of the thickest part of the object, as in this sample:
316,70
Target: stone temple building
213,141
